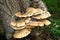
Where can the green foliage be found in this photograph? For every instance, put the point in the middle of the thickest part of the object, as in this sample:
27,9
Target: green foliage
54,8
54,28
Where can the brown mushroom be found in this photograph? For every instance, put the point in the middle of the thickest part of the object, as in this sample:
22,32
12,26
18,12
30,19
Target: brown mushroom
22,33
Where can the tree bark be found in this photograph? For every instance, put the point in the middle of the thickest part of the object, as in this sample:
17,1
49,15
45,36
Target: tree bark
8,8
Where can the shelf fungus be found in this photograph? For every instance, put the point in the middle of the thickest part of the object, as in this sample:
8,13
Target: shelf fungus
22,33
44,15
38,11
21,22
30,12
46,22
23,27
13,23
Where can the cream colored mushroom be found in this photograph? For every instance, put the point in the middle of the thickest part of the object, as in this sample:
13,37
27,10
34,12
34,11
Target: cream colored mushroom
42,16
20,24
46,14
22,33
23,22
46,22
30,12
27,20
38,11
40,24
33,23
18,28
13,23
28,27
19,14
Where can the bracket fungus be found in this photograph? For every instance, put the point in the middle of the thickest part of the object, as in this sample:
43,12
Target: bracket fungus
22,33
44,15
30,12
23,26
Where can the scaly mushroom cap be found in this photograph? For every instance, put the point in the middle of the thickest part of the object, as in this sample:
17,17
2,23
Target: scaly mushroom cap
22,33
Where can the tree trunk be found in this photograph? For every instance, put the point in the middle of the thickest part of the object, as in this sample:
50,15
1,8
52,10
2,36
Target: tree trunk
7,10
9,7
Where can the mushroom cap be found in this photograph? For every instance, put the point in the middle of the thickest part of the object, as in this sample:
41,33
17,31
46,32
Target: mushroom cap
18,28
30,12
30,26
18,14
42,16
37,17
27,20
13,23
29,8
33,23
46,22
38,11
20,24
41,24
23,22
22,33
46,14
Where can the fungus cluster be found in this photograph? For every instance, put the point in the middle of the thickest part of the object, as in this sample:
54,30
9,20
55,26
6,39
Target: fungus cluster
24,26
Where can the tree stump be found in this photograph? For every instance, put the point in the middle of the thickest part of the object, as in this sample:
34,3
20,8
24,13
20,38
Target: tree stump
8,8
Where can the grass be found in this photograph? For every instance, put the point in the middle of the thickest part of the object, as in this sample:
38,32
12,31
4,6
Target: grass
54,8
